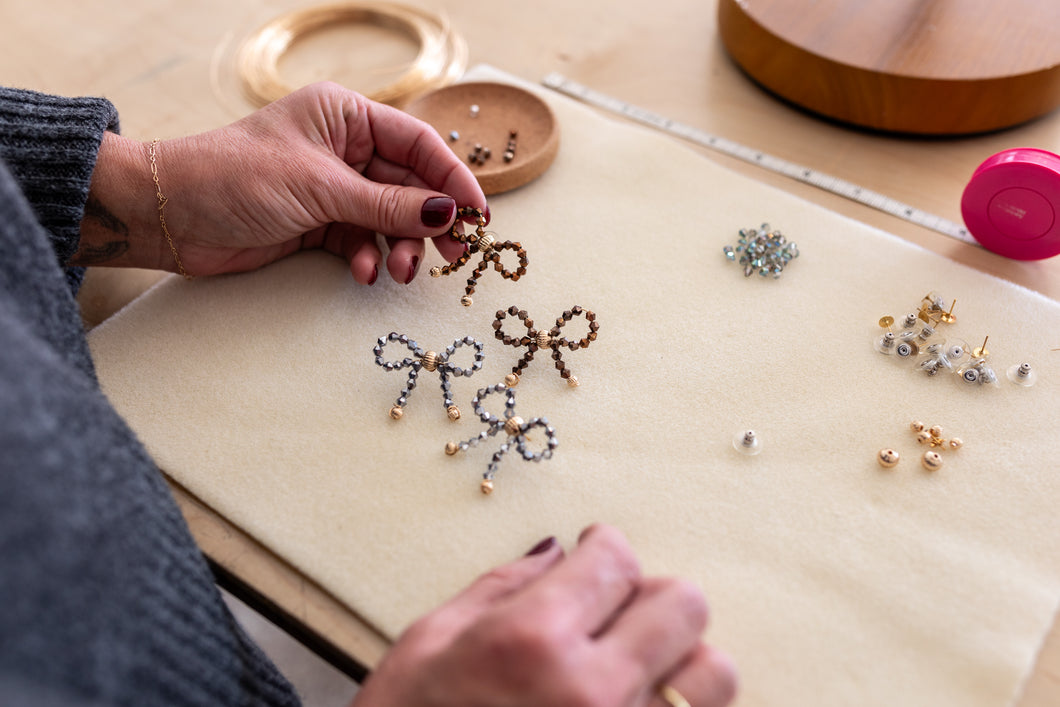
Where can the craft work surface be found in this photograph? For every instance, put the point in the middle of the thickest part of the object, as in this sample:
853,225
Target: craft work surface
833,581
472,116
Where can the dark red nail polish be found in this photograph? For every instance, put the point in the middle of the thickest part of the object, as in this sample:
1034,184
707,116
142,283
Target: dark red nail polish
438,211
375,274
543,546
412,268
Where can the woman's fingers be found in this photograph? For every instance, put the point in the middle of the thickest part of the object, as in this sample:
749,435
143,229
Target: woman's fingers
706,678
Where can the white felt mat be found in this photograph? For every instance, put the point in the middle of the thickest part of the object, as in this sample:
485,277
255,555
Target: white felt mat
833,582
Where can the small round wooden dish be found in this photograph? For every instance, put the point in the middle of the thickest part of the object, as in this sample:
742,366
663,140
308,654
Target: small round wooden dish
501,110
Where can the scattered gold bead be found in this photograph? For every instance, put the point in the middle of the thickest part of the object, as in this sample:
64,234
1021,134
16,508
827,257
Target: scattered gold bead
451,448
511,380
466,300
887,458
923,437
917,426
436,271
932,461
513,425
486,486
572,381
453,412
956,443
430,361
396,412
936,431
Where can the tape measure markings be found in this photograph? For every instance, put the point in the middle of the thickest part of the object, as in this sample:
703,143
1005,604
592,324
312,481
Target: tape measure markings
801,173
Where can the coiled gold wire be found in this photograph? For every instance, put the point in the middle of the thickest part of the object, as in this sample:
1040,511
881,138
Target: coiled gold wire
441,59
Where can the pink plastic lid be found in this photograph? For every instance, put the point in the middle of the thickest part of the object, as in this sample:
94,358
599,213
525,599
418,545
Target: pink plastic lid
1012,204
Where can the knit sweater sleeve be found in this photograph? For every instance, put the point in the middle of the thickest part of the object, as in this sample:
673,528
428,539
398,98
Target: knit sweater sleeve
49,144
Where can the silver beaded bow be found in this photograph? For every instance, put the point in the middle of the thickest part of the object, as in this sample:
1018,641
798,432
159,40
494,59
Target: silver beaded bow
762,250
430,361
513,426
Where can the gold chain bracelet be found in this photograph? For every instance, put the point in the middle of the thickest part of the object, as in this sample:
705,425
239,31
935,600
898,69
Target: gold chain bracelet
162,201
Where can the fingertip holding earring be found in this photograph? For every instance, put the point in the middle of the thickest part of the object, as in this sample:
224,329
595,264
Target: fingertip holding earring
486,245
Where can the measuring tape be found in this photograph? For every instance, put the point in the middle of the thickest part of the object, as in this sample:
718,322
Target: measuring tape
797,172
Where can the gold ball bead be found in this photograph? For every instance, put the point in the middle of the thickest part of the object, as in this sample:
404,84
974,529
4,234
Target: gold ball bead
486,487
543,340
511,380
513,425
451,448
436,271
887,458
485,244
956,443
932,461
917,426
396,412
453,412
923,437
430,361
936,431
466,300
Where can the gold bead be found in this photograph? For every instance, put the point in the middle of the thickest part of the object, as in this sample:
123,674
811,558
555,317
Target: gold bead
451,448
396,412
572,381
936,431
923,437
932,461
485,243
436,271
466,300
513,425
453,412
956,443
887,458
511,380
543,340
486,487
430,361
917,426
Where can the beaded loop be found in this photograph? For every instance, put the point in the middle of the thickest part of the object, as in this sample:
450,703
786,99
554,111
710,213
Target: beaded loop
428,361
538,339
485,244
515,429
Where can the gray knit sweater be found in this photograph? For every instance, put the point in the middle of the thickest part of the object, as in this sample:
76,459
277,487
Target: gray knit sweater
104,597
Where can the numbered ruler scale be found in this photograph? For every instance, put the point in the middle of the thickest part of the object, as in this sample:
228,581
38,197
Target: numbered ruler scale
800,173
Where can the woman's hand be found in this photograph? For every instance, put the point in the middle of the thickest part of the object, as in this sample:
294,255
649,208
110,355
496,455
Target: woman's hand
571,631
321,168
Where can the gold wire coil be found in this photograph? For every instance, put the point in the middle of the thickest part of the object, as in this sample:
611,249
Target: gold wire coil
441,59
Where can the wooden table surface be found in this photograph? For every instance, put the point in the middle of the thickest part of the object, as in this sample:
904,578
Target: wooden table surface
168,66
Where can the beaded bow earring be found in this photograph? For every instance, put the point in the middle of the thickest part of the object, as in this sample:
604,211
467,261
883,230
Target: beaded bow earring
513,426
430,361
536,340
486,244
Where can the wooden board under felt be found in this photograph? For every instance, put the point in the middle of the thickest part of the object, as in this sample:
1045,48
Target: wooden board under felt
832,581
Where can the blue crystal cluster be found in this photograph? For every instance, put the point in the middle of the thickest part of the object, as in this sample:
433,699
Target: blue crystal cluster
762,250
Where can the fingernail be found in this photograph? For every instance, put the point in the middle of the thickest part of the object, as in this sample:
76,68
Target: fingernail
375,274
412,268
486,214
438,211
543,546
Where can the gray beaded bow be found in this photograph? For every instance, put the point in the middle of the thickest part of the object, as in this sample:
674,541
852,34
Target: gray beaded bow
513,426
431,361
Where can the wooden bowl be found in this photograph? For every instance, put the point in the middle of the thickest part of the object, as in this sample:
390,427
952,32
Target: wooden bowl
909,66
502,109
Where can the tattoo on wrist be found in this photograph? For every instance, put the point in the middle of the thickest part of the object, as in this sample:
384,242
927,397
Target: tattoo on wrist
95,210
100,254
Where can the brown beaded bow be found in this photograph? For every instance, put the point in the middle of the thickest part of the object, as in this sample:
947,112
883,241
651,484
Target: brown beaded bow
486,244
536,340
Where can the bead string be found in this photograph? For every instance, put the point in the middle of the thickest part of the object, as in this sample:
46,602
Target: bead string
485,243
536,340
430,361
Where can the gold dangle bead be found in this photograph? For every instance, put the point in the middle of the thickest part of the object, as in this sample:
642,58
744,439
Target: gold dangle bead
572,381
486,487
466,300
396,412
436,271
511,380
451,448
